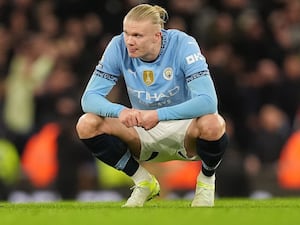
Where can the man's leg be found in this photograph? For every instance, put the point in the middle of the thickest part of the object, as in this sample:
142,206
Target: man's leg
113,151
211,154
210,146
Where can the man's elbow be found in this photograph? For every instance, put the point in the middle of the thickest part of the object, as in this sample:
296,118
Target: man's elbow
84,103
212,106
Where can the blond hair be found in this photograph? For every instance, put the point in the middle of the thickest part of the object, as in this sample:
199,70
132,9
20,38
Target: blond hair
155,13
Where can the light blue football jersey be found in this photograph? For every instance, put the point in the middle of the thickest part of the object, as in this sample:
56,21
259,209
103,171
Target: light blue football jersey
177,84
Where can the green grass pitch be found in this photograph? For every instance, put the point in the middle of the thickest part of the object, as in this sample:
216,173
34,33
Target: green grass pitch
276,211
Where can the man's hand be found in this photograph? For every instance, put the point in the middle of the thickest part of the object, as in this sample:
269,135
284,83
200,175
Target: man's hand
130,117
141,118
149,118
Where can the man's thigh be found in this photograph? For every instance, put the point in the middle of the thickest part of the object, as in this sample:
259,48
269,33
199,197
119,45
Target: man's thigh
164,142
126,134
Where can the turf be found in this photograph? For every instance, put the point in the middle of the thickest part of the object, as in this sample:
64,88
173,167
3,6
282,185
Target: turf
276,211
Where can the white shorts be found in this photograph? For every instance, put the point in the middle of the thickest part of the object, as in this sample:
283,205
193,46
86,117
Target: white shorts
164,142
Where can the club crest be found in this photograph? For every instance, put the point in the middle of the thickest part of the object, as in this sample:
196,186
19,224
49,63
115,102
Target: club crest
168,73
148,77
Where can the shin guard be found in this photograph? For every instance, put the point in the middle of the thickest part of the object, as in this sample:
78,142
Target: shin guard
112,151
211,153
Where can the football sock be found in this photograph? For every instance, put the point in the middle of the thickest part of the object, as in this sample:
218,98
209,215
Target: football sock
206,179
141,175
211,153
112,151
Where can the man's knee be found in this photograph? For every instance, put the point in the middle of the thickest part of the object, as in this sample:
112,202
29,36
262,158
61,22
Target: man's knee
88,125
212,126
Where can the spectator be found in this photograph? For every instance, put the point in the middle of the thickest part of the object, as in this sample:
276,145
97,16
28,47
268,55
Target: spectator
29,68
269,137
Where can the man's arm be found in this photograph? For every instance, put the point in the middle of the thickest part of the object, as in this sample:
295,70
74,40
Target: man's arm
204,101
94,97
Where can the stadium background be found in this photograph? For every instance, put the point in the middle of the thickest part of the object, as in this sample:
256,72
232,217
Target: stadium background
48,49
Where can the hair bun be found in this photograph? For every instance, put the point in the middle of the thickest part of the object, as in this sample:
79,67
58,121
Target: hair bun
164,16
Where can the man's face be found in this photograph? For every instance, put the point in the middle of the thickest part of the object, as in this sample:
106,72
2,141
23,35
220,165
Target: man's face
141,38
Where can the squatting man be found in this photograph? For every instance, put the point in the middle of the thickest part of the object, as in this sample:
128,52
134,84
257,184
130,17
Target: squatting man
174,113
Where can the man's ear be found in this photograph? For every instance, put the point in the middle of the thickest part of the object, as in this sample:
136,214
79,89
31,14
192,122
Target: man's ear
158,35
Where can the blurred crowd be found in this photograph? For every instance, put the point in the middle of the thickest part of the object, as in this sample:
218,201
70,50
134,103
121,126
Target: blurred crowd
49,48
